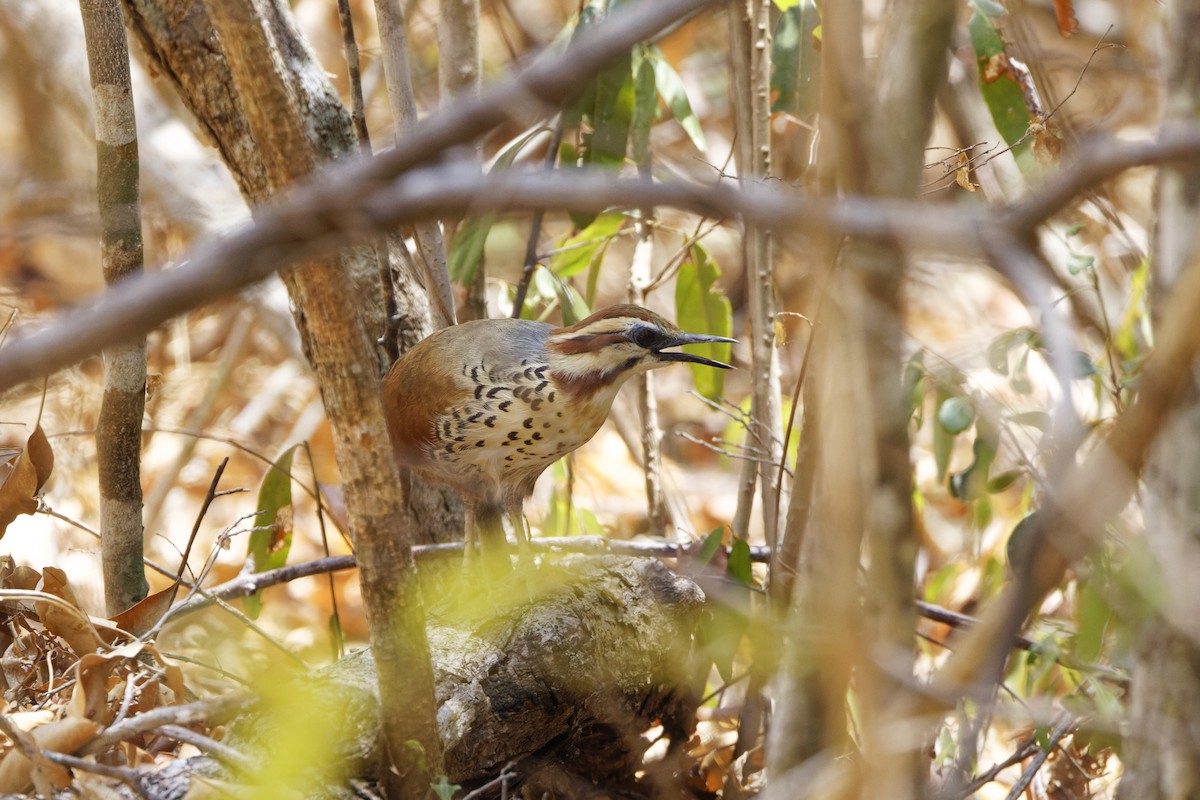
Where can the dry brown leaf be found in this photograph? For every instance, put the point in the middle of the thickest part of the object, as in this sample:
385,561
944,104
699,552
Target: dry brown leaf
18,487
41,454
23,577
1047,144
962,173
89,698
143,615
73,628
1064,13
64,736
23,473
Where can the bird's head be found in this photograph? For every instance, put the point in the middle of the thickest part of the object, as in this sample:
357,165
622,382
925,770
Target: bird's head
616,342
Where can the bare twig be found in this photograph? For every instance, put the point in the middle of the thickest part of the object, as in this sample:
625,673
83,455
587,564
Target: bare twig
130,777
50,512
353,75
209,496
221,752
211,710
1065,725
535,228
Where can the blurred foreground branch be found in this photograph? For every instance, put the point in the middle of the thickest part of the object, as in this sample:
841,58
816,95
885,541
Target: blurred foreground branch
351,202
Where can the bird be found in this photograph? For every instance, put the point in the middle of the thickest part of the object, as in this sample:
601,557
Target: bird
484,407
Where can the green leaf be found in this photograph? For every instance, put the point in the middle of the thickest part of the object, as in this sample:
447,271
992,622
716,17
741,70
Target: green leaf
1020,377
644,107
943,440
1002,481
784,5
956,414
466,252
611,115
271,538
719,635
1021,539
972,481
739,562
1073,229
796,62
570,303
1094,615
998,350
913,382
1078,262
337,636
700,307
1083,366
670,87
577,252
708,548
443,788
1001,91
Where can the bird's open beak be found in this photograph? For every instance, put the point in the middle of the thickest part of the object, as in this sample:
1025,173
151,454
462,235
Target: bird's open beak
691,338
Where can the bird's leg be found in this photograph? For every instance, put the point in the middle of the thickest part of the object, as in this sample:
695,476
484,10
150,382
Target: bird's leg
520,526
472,538
493,544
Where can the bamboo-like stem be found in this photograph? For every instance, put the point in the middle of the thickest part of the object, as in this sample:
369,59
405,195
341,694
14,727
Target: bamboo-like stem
751,42
751,37
119,429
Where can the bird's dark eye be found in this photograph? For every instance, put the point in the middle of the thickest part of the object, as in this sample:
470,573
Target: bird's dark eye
643,336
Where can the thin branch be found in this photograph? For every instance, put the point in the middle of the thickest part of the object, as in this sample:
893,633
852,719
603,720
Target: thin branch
209,496
353,75
222,752
130,777
535,228
50,512
1064,726
211,710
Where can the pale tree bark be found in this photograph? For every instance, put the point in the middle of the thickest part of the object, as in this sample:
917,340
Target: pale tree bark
1162,746
275,118
119,428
